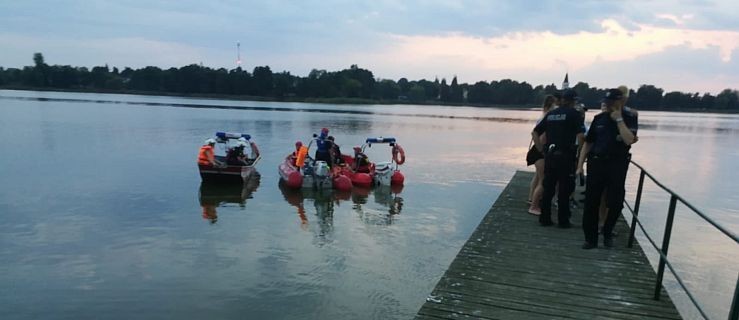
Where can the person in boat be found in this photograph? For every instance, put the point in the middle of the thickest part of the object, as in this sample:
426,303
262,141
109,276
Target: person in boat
361,161
236,156
294,155
336,151
324,148
206,156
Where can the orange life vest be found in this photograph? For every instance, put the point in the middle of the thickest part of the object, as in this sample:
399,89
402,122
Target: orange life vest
300,159
205,157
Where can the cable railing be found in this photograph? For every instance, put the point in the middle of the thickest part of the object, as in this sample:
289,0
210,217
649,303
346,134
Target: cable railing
663,261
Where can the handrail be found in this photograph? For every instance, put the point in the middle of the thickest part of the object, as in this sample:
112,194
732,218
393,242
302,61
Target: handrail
663,261
687,204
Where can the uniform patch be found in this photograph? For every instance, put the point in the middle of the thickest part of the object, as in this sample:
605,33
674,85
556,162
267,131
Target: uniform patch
557,117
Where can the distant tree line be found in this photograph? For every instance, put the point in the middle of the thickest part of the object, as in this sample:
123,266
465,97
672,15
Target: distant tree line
352,83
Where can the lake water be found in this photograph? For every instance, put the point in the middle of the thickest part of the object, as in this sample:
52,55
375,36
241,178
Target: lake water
103,211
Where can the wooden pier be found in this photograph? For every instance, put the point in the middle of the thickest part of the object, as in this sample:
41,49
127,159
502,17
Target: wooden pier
512,268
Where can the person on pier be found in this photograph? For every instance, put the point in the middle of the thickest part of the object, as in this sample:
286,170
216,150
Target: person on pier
606,148
537,159
555,137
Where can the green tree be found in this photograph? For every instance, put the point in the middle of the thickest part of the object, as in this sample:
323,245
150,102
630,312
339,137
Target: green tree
479,93
647,96
388,89
728,100
455,91
443,91
40,71
404,85
417,93
263,81
99,77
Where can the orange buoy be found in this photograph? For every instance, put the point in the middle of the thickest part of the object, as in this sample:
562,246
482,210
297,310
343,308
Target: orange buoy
362,179
398,154
342,183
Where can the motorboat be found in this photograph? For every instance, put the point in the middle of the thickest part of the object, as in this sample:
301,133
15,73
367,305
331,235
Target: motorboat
298,170
364,173
228,171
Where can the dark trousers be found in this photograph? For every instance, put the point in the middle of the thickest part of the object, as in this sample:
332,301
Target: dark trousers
608,174
559,169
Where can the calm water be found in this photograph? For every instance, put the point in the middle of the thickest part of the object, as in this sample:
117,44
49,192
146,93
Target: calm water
103,208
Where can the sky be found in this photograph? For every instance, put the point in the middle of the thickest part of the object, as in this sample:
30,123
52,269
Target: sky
684,45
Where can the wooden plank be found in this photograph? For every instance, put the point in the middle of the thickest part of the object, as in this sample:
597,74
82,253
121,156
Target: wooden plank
512,268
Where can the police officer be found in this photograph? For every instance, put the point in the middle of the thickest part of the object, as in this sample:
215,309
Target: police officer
555,137
607,150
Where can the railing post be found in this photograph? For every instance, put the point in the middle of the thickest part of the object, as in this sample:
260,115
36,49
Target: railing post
734,312
665,246
636,209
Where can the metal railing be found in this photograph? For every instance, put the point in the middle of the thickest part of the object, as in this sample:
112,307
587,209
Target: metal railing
663,261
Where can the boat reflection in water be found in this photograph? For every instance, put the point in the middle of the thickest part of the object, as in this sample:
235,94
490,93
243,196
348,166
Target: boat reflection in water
214,195
324,202
386,196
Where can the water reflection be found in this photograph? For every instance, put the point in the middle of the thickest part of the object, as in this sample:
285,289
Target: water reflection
323,202
214,195
386,196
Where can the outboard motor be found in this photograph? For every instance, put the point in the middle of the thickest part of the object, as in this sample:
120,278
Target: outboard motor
322,175
383,173
321,169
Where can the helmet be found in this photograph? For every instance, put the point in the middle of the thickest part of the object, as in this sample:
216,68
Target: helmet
242,139
210,141
241,143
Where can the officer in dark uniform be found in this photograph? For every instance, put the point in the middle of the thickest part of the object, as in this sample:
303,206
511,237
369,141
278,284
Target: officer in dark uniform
560,127
607,150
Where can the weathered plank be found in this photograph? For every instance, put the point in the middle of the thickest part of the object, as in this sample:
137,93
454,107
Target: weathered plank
512,268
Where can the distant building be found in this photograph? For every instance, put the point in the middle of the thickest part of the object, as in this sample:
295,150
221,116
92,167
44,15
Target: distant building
566,82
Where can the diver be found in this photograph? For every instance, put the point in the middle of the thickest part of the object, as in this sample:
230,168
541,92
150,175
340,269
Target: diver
361,161
336,151
236,156
324,148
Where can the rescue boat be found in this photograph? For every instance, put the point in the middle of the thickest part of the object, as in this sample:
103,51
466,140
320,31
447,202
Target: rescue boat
364,173
299,170
228,173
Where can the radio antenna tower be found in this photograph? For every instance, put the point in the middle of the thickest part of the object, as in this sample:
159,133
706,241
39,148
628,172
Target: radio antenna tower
238,54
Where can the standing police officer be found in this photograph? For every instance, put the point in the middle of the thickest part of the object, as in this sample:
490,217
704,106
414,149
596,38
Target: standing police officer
555,137
607,149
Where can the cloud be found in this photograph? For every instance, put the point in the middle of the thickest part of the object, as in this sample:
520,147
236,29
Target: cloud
475,39
680,68
547,52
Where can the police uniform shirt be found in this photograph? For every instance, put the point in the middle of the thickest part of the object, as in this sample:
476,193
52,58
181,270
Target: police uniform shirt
604,135
561,126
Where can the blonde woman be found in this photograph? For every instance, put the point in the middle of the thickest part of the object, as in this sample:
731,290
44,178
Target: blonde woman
537,159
